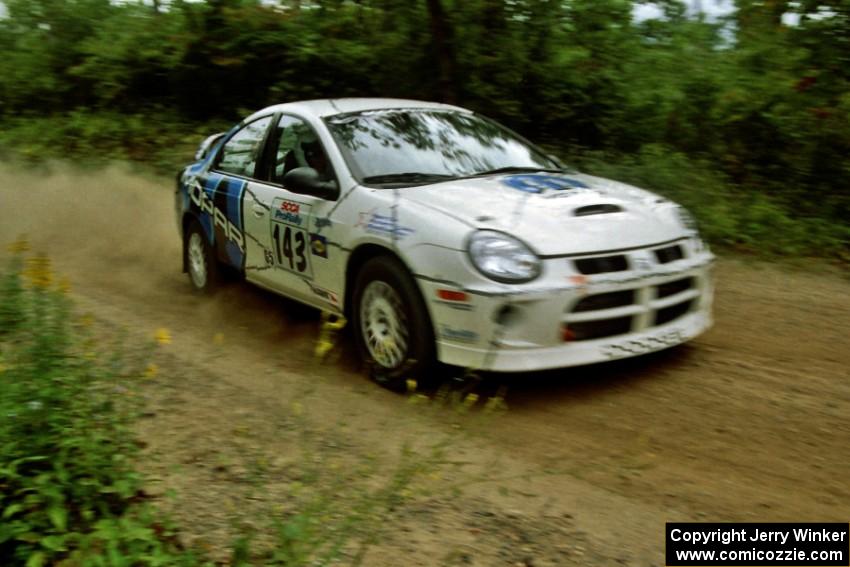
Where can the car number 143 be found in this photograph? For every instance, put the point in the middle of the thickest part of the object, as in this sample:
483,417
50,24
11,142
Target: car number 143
290,242
290,247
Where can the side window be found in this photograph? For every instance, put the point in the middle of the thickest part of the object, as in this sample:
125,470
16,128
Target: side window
240,154
298,146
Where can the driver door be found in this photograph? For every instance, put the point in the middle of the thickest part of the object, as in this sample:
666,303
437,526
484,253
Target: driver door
281,224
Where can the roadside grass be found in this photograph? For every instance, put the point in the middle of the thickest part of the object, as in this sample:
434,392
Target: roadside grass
71,493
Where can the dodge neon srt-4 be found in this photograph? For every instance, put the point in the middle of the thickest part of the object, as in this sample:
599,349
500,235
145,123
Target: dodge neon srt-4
441,235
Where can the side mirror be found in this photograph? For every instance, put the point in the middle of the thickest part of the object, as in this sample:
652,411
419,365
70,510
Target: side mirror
306,180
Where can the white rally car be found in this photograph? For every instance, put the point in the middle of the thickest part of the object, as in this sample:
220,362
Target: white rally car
442,235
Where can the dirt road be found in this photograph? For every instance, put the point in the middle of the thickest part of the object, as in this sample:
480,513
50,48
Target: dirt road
751,422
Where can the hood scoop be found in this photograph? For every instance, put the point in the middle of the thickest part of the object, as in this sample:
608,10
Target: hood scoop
600,209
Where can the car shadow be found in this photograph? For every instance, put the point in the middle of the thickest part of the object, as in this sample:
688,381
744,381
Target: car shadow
561,385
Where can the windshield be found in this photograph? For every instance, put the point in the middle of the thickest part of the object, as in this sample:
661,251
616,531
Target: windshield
409,146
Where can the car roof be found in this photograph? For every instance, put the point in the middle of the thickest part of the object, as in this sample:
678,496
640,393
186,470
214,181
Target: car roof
330,106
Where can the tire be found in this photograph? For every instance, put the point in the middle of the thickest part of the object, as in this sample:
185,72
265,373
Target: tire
201,265
392,328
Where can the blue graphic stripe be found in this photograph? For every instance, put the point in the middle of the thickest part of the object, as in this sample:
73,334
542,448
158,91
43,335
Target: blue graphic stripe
537,183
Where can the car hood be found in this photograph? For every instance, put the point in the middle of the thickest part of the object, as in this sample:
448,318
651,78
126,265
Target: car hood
556,213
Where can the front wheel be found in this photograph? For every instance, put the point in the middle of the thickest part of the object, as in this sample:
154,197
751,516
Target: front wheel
391,324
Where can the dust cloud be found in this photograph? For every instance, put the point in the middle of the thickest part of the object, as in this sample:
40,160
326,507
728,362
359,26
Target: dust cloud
113,233
108,224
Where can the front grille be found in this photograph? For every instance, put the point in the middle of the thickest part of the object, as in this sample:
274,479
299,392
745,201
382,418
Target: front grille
671,313
631,303
605,301
599,329
669,254
674,287
602,264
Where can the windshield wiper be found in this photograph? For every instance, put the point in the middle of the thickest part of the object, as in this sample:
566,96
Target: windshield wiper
408,177
518,169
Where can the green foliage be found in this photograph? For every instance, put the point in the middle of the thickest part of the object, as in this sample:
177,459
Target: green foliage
744,220
162,141
68,490
760,106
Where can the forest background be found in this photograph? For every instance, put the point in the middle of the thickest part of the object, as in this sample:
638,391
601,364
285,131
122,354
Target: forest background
742,117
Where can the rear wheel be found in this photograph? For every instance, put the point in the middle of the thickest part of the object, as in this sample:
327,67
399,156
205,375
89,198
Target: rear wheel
391,324
200,261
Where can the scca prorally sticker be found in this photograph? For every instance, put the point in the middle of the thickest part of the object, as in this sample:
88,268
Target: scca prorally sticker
290,242
539,183
288,211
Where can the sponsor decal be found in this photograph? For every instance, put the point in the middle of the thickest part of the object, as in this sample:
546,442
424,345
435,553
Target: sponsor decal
456,306
201,200
319,245
538,183
328,296
322,223
641,346
458,335
385,225
288,212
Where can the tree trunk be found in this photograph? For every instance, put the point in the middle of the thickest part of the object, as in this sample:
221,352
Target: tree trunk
443,36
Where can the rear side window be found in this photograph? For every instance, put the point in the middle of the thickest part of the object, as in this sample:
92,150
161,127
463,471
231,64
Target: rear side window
240,154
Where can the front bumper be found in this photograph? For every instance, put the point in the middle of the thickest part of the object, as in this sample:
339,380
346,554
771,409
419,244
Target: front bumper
569,318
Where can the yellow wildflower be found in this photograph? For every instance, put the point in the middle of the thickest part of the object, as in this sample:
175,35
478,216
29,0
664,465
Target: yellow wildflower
162,336
151,371
323,347
333,322
416,399
38,271
496,403
411,385
19,246
331,325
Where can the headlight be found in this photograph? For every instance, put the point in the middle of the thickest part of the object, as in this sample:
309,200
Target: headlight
502,257
687,219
